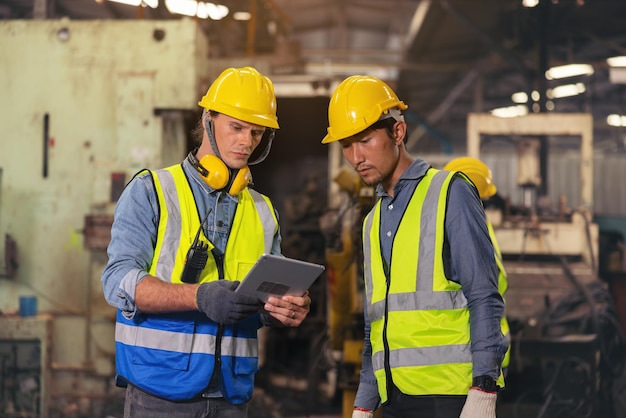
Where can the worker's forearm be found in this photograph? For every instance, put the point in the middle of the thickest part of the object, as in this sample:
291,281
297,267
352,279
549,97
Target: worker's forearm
155,296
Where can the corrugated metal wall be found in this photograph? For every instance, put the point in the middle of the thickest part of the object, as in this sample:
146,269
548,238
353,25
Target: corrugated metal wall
609,179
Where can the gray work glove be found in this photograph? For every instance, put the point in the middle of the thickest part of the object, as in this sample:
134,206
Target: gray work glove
220,303
479,404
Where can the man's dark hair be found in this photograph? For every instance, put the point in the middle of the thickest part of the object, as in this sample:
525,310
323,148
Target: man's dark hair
387,125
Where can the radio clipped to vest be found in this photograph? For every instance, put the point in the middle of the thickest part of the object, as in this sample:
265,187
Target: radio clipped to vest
196,258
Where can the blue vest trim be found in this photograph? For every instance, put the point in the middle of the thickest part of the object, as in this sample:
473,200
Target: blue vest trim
179,349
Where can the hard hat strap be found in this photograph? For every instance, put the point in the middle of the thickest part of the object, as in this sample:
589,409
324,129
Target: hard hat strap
394,113
208,125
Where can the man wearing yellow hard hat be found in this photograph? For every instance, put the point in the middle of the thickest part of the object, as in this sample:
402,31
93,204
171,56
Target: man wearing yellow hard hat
433,345
480,174
182,239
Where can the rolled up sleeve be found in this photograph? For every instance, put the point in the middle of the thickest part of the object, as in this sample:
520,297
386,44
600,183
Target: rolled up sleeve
133,237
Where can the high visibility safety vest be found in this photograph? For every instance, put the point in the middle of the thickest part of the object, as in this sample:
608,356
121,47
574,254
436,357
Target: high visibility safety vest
173,356
503,285
420,332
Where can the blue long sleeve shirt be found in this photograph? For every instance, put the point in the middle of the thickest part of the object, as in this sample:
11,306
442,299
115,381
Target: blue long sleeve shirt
468,260
134,232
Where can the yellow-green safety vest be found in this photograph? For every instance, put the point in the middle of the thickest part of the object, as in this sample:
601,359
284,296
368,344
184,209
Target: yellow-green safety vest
174,355
420,333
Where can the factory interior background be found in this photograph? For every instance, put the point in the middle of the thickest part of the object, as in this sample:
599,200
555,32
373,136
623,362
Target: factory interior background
92,91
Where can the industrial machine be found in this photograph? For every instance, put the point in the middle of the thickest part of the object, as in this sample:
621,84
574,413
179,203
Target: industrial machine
566,345
81,113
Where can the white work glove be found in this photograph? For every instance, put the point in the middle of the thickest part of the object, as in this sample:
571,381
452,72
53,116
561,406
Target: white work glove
360,413
479,404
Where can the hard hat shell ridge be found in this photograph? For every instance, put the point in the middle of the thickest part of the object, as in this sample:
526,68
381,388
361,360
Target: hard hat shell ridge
356,104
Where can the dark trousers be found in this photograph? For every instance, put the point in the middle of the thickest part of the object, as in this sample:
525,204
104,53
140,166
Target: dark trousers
139,404
423,406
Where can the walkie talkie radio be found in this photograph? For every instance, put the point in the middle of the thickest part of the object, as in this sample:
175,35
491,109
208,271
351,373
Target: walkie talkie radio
197,257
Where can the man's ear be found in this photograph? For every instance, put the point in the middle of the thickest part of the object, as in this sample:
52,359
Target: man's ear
399,131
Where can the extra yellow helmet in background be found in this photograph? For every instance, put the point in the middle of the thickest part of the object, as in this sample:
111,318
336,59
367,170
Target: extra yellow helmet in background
244,94
477,171
356,104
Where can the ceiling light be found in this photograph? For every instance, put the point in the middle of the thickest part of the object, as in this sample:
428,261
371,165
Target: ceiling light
510,111
617,61
242,16
212,10
616,120
530,3
519,97
522,97
566,90
569,70
151,3
197,8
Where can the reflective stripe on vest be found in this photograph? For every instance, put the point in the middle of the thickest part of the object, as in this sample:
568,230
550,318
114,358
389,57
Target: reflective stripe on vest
419,321
254,217
173,355
171,341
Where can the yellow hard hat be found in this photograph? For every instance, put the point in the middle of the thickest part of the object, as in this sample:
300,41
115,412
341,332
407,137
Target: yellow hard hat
244,94
477,171
356,104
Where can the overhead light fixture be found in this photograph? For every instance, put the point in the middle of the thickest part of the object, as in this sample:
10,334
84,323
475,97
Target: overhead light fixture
200,9
617,61
242,16
151,3
530,3
566,90
522,96
510,111
569,70
519,97
616,120
617,69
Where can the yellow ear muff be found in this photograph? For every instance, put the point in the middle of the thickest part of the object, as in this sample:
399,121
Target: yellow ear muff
218,174
241,181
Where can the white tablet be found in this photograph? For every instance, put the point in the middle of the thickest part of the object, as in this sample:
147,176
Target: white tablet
275,275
